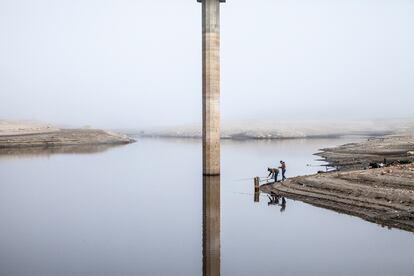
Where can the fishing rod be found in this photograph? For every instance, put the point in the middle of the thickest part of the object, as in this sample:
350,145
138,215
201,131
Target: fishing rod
252,178
262,194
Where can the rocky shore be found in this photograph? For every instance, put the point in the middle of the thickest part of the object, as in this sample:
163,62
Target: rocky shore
382,195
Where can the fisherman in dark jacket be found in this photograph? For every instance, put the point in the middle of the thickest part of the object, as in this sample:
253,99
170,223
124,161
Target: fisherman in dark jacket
273,172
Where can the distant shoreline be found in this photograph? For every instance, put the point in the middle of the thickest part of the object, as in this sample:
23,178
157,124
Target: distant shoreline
19,135
251,137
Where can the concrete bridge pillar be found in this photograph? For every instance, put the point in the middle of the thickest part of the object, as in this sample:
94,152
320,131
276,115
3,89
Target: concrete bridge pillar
211,86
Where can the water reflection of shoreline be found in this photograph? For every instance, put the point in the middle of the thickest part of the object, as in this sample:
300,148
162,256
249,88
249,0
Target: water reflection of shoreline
211,225
15,153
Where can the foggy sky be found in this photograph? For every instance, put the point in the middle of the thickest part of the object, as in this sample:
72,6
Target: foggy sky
136,63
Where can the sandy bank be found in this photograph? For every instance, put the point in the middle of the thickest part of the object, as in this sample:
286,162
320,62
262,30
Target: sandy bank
384,195
25,135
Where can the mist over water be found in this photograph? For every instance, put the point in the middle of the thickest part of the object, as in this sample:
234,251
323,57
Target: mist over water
283,129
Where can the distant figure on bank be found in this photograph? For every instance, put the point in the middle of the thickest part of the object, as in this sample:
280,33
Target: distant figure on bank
283,167
273,173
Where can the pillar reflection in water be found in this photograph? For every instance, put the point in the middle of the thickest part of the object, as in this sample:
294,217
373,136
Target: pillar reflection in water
257,189
211,225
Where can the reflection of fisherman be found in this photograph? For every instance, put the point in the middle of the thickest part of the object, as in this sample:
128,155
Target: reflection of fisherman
273,173
274,200
283,205
283,167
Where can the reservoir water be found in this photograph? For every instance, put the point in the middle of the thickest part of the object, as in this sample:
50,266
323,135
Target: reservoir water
138,210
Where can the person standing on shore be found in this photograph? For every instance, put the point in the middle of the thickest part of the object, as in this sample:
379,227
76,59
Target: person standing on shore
283,167
273,172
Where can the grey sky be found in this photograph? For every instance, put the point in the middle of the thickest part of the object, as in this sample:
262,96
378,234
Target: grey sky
135,63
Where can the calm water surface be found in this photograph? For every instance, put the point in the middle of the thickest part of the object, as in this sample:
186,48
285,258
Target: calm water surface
138,210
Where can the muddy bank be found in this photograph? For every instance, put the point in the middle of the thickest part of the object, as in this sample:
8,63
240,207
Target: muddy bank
23,136
383,195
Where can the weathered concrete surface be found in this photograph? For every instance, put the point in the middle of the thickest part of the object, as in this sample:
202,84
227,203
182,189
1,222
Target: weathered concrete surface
211,225
384,195
211,86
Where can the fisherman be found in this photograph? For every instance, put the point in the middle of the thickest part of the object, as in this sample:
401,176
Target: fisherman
273,173
283,167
